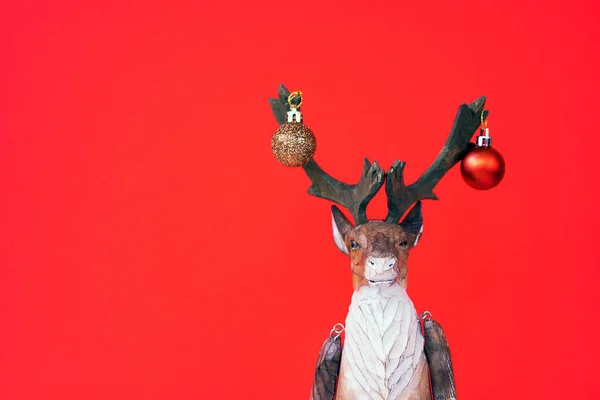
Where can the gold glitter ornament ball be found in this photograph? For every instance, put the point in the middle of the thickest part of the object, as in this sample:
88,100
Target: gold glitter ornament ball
294,144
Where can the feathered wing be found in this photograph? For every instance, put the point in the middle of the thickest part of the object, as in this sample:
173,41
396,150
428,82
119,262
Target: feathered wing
327,369
440,362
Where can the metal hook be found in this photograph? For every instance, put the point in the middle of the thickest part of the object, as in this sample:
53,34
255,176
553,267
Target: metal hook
337,329
483,121
292,96
426,316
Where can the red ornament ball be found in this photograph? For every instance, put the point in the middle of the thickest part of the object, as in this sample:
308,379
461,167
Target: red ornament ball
482,168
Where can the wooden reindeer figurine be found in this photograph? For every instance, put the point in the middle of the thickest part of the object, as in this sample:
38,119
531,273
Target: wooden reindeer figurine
385,355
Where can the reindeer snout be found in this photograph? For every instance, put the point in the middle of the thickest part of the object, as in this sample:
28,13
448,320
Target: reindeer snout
381,264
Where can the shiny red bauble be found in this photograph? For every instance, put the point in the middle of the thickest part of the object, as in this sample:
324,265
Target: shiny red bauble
482,168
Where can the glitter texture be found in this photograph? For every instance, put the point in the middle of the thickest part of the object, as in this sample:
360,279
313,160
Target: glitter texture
294,144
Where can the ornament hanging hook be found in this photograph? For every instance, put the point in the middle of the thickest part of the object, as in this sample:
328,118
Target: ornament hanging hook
425,316
484,139
292,96
337,330
483,120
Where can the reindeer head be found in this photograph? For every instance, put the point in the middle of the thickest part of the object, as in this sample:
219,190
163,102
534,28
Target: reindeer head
378,250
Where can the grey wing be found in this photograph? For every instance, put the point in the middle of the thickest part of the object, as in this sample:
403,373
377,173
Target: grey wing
440,362
327,369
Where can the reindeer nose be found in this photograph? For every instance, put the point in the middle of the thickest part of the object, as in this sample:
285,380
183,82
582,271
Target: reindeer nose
381,263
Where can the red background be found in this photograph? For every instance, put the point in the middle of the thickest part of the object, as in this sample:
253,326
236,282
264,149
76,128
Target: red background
151,247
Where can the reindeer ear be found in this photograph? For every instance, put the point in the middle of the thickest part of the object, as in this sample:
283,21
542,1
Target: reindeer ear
341,229
413,222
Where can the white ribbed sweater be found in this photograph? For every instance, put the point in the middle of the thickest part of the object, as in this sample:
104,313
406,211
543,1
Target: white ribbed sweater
383,356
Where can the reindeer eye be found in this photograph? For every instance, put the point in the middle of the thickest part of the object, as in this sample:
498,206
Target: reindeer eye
354,245
404,244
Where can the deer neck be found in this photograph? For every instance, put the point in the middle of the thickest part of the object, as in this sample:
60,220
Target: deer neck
383,354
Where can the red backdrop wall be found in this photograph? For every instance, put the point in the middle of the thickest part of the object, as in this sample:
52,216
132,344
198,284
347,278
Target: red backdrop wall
151,247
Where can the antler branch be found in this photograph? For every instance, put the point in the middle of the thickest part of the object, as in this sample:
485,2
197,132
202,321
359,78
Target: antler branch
401,197
354,197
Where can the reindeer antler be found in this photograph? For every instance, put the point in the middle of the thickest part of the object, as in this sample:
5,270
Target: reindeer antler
354,197
401,197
